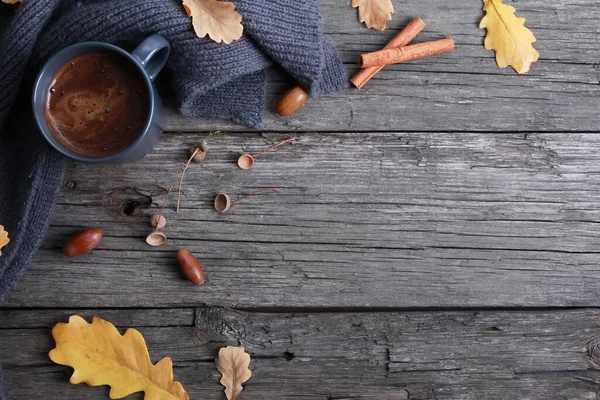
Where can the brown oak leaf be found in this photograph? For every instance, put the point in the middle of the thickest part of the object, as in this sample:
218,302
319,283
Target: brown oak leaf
217,19
233,364
374,13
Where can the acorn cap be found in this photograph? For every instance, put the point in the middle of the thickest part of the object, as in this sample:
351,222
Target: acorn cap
245,161
156,238
222,203
201,154
158,221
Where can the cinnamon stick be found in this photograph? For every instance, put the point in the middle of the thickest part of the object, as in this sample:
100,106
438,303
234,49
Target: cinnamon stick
402,39
408,53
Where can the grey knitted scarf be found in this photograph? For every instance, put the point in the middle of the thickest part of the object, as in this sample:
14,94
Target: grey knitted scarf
209,80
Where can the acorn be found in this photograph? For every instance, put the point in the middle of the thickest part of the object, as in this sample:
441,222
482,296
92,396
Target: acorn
190,267
82,242
291,101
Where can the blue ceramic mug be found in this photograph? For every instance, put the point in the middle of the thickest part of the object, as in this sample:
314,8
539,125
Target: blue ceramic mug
149,58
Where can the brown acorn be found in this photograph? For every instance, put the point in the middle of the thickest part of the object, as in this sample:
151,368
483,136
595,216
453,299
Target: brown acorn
291,101
82,242
190,267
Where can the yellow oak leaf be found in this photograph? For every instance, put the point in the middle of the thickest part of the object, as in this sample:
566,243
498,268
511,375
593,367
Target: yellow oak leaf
99,355
374,13
4,240
233,364
507,34
217,19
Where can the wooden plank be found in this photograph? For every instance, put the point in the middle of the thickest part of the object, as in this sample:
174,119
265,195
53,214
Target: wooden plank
361,220
17,319
462,90
395,355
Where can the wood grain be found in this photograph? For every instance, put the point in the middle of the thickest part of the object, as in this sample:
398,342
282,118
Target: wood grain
361,220
460,91
408,355
445,186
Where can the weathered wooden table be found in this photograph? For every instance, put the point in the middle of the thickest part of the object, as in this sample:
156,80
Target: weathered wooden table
436,235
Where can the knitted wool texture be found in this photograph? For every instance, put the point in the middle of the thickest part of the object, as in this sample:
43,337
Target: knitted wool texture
209,80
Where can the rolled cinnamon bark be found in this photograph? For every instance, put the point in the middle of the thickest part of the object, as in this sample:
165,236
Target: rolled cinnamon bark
407,53
403,38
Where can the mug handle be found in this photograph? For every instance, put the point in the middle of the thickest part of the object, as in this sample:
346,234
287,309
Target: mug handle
152,54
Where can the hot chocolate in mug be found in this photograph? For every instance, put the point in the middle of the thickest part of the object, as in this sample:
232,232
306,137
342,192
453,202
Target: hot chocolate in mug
95,102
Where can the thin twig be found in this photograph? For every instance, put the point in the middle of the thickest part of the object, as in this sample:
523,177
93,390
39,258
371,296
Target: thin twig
253,194
183,173
163,206
273,147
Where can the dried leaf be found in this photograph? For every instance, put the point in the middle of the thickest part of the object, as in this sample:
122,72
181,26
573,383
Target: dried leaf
374,13
4,240
507,34
233,364
217,19
101,356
